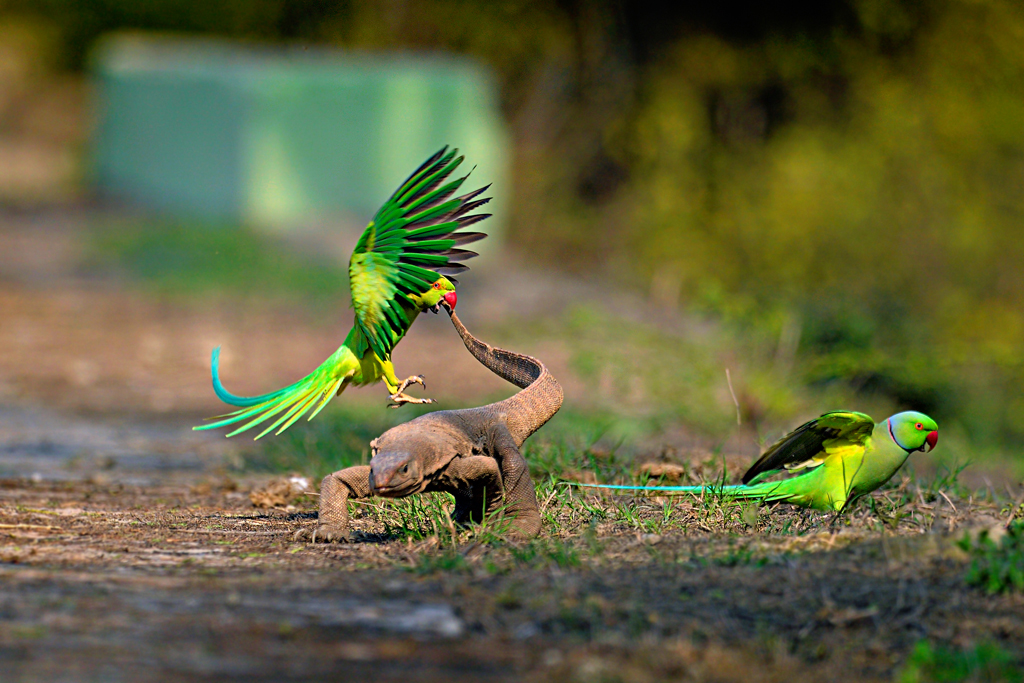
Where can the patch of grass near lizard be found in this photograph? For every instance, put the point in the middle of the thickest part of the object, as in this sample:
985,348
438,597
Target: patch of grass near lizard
412,519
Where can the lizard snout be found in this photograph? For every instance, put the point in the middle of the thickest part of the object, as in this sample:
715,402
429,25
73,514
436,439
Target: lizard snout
394,474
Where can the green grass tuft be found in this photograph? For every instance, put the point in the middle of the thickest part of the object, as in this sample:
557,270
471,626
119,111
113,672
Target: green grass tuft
986,662
996,566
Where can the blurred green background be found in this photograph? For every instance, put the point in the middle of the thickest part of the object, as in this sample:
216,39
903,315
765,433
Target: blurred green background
839,191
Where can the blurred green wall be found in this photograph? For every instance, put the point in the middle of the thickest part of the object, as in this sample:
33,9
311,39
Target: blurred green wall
280,138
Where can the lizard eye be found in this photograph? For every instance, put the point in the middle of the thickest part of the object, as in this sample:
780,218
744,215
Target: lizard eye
405,469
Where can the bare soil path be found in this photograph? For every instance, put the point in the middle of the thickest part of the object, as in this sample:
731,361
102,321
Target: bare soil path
168,583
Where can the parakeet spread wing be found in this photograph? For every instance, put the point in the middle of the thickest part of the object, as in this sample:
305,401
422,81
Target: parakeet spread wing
408,245
809,444
410,242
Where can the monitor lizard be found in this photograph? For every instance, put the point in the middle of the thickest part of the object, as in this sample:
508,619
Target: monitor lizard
471,453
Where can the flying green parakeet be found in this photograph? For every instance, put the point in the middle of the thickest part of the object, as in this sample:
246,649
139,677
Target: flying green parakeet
835,458
398,270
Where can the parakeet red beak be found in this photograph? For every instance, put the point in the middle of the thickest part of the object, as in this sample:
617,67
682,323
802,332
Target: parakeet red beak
930,441
451,298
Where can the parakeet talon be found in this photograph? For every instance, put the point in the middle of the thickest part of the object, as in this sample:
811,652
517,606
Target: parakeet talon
415,379
401,399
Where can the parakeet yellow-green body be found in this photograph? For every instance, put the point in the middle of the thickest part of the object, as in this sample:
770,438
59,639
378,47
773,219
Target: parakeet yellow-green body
398,269
835,458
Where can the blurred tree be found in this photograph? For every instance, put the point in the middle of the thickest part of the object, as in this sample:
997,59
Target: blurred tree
871,185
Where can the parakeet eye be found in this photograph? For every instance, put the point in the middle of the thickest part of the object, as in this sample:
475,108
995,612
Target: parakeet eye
919,425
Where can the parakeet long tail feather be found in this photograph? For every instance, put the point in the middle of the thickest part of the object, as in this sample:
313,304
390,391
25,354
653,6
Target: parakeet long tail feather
765,491
295,404
314,391
231,399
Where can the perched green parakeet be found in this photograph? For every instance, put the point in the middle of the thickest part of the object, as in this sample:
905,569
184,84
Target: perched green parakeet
397,270
835,458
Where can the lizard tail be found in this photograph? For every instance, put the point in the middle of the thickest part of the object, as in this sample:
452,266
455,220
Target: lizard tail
541,394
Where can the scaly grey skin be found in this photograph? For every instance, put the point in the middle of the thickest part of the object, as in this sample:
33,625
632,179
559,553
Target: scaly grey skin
472,453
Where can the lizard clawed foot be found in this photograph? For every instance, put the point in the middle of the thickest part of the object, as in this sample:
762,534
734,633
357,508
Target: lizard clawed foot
323,534
400,398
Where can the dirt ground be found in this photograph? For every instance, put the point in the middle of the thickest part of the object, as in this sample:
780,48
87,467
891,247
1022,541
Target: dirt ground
130,549
157,582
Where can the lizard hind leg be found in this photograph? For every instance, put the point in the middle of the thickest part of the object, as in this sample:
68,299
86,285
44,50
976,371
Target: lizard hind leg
520,495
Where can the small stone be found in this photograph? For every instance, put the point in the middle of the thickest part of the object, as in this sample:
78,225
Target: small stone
551,658
669,470
525,631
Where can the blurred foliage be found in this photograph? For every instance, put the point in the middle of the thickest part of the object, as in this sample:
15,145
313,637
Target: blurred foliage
845,184
997,565
869,196
42,116
984,663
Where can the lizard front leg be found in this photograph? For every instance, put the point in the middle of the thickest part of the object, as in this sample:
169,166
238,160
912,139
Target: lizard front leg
335,491
520,496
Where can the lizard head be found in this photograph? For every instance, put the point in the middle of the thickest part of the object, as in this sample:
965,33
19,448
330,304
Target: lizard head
397,466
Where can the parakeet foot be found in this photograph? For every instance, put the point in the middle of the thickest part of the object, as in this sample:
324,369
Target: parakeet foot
415,379
400,398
